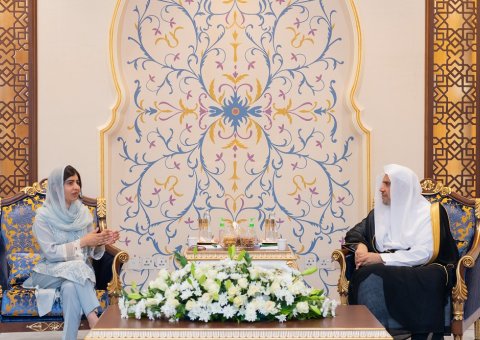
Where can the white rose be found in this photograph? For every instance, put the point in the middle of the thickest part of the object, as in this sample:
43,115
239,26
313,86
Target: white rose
294,288
302,307
206,298
163,274
253,273
213,288
233,290
238,301
191,304
243,283
269,307
151,302
275,286
253,289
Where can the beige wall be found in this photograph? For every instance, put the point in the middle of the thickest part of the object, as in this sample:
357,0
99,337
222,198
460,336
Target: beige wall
76,92
391,91
75,85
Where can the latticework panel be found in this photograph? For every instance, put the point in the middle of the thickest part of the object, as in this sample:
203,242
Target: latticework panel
451,144
17,95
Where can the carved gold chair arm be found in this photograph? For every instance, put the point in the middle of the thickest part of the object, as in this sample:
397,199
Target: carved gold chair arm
114,287
460,290
342,287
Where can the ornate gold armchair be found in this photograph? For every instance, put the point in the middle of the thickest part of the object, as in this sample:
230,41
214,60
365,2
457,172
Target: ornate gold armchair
19,252
464,217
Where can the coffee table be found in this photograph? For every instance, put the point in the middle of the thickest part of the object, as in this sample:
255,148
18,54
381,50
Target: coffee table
351,322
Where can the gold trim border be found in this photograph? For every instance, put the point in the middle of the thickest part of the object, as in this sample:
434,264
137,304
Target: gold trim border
43,326
358,113
435,217
353,91
246,333
217,255
116,83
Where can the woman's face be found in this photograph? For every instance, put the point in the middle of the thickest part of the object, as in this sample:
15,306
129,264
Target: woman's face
71,186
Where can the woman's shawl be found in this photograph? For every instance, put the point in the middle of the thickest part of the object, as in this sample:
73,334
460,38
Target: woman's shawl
55,211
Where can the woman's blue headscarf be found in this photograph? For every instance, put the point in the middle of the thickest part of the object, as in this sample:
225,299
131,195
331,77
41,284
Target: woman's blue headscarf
54,210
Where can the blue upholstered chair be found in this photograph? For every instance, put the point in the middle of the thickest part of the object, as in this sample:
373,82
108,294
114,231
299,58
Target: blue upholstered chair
464,217
19,252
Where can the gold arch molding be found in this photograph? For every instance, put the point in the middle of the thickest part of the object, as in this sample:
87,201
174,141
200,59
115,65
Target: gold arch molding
357,117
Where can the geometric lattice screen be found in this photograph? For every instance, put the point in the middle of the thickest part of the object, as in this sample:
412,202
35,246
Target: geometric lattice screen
18,149
451,154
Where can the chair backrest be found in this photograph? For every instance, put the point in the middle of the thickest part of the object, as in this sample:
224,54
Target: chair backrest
460,210
19,250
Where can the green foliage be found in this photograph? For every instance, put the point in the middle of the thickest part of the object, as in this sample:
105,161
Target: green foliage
309,271
231,252
182,260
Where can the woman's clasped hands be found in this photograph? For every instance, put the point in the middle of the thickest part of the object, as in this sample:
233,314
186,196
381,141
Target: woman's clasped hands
102,238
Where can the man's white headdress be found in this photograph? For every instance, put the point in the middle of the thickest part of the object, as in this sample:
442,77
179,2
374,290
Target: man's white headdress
406,222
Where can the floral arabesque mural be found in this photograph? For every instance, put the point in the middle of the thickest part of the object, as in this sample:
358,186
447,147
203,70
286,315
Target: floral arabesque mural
233,108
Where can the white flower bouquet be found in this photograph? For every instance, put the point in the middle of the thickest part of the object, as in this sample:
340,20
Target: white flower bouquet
232,289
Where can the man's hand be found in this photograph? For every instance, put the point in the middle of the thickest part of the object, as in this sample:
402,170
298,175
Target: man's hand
361,249
364,258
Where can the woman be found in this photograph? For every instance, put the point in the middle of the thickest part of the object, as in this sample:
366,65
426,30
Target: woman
64,230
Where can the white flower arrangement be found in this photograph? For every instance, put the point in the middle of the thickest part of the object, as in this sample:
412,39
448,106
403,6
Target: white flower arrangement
232,289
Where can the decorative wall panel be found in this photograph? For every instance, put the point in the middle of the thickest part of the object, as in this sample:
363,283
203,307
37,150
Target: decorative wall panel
452,84
237,109
17,96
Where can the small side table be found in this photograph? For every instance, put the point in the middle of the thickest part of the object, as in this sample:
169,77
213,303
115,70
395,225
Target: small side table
267,256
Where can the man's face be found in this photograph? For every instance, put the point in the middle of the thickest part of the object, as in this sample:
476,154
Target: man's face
385,190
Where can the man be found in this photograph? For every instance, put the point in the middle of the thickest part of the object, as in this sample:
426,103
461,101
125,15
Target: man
404,257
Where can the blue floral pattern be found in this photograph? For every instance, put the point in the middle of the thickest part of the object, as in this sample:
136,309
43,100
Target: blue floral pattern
20,266
234,110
